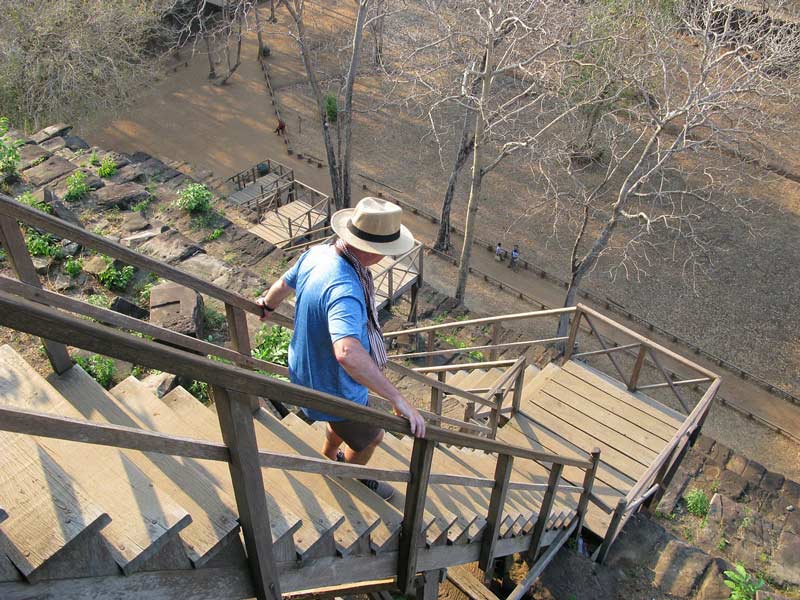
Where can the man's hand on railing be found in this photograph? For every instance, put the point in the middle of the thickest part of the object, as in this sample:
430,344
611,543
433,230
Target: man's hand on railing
403,409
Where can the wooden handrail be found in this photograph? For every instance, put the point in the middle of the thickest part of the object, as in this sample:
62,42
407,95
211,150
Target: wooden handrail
417,248
440,385
465,366
467,349
63,229
481,321
501,383
29,317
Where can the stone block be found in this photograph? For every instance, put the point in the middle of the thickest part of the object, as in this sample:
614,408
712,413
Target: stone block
753,474
791,490
772,481
732,485
178,308
171,247
768,595
703,445
134,221
736,464
95,265
718,455
120,195
30,154
786,563
713,587
674,492
710,473
42,264
126,307
640,541
54,143
51,169
73,142
157,170
127,174
160,384
249,248
680,569
59,129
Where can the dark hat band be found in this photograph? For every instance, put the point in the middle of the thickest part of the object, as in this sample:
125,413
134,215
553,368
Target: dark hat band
372,237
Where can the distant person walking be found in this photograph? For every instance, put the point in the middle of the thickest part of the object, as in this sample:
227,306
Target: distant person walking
514,262
337,346
499,252
281,128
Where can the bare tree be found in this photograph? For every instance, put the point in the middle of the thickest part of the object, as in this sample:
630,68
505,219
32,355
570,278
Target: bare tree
688,92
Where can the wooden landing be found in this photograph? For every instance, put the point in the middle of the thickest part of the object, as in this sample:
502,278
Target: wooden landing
254,189
404,275
274,227
571,409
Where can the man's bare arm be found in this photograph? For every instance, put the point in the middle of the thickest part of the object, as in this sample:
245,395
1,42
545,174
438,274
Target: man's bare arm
354,358
277,293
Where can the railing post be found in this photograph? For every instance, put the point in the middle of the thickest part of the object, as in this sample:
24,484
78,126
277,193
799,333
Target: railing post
437,395
238,433
416,491
588,483
240,338
495,339
573,332
390,279
13,241
545,510
637,368
611,532
667,471
502,476
494,416
429,347
519,384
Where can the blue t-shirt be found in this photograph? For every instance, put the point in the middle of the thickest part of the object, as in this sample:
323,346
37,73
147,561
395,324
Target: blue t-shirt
329,306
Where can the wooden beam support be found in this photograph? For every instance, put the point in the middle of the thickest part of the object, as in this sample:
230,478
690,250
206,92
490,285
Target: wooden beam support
240,339
588,483
496,330
637,367
574,327
416,492
545,510
502,476
13,241
238,433
427,587
611,532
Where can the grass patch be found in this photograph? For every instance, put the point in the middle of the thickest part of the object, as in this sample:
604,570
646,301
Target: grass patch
214,235
99,367
213,320
30,200
108,168
116,279
98,300
697,503
142,205
77,187
73,266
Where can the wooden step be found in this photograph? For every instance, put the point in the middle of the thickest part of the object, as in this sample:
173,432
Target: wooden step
48,510
151,413
306,441
319,522
439,522
214,519
143,516
358,507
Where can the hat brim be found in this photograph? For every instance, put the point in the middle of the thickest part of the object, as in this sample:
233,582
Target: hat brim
403,244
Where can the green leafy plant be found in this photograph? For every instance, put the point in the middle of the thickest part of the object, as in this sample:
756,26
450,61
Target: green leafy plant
73,266
108,167
141,206
743,585
215,235
199,389
41,244
32,201
116,279
77,188
143,293
723,543
212,319
331,108
94,160
697,503
195,198
99,367
9,151
272,344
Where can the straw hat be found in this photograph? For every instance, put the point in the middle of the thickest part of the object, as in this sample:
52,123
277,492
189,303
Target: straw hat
374,226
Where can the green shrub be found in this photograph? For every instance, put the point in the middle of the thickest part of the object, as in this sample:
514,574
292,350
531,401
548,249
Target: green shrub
331,108
73,266
9,151
199,389
31,200
697,503
212,319
94,160
41,244
743,585
98,300
99,367
215,235
77,187
108,167
142,205
272,344
116,279
195,198
143,294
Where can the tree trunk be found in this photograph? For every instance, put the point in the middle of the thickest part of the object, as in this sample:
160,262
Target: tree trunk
212,73
346,155
477,177
569,300
263,49
464,150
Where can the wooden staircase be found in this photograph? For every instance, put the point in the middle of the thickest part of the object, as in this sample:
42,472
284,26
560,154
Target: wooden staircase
150,511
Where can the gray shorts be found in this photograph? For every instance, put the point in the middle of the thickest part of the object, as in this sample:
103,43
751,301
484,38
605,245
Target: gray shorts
356,435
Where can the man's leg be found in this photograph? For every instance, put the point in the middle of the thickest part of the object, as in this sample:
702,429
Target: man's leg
332,443
362,457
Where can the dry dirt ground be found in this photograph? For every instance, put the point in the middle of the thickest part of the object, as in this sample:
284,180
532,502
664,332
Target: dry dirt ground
744,310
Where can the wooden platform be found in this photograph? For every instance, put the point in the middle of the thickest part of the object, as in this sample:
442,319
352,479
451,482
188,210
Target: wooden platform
572,409
253,190
274,227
